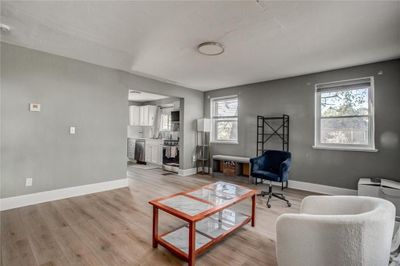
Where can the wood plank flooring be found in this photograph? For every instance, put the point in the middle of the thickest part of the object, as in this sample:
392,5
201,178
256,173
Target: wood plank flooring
114,227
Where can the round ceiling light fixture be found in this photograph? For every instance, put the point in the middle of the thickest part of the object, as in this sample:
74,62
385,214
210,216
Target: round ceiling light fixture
210,48
4,28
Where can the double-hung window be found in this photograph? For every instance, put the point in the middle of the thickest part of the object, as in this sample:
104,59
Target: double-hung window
344,115
165,122
165,119
224,115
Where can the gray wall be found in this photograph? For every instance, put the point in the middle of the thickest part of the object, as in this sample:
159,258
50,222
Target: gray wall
72,93
295,97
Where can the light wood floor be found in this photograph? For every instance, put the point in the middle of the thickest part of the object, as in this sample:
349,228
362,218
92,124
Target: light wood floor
114,228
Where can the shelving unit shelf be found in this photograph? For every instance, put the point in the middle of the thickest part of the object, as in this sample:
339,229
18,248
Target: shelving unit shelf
266,130
203,164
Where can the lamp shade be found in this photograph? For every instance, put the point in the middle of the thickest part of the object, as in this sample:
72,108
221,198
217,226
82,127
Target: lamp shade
203,125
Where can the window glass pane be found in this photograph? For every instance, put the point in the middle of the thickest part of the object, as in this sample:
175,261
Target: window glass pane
226,130
165,122
352,130
347,102
226,107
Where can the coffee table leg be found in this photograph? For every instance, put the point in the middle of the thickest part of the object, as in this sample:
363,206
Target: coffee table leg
253,210
155,227
192,243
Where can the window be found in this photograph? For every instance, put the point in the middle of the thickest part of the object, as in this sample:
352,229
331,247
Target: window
344,115
224,115
165,122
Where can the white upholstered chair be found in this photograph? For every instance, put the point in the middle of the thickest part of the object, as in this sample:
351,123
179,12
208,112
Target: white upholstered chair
336,231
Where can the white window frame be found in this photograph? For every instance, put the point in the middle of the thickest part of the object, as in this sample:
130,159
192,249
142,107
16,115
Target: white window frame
371,115
213,120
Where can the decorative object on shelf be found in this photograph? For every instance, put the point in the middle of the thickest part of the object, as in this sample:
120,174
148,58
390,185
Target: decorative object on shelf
203,146
231,168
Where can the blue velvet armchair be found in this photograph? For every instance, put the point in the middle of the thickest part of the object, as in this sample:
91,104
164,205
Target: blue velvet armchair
274,166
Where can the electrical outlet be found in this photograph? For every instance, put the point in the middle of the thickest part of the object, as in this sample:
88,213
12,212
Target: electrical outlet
28,182
72,130
194,158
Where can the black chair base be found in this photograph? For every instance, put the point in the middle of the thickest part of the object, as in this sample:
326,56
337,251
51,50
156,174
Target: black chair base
271,194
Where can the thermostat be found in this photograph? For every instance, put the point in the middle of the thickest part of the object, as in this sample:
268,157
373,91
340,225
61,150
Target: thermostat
34,107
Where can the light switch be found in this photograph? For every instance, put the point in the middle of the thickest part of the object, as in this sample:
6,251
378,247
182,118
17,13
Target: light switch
72,130
34,107
28,182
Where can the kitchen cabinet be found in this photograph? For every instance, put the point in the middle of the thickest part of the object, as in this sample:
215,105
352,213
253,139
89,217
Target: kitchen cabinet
147,115
134,115
153,151
147,151
142,115
152,112
131,149
154,154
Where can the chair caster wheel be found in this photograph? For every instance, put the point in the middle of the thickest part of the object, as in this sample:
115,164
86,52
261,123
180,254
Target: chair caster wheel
289,204
269,205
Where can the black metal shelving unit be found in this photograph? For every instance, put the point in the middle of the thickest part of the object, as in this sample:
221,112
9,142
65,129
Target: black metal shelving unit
203,153
268,129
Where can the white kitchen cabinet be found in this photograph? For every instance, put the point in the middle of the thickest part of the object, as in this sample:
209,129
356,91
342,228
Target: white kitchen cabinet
147,115
152,112
144,113
147,151
160,150
154,154
134,115
153,151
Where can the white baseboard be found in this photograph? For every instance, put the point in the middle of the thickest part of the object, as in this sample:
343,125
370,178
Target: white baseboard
323,189
190,171
187,172
57,194
300,185
63,193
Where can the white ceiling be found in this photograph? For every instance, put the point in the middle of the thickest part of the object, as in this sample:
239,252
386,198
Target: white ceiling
263,41
139,96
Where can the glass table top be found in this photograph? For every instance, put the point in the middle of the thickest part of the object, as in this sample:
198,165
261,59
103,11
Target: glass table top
186,205
228,189
206,198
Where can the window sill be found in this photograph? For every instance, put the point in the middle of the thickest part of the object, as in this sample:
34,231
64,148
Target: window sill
319,147
224,142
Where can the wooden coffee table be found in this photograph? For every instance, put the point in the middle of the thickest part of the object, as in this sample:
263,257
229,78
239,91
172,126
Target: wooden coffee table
209,218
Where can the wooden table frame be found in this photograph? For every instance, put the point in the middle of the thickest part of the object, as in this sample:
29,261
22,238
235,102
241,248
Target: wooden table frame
191,256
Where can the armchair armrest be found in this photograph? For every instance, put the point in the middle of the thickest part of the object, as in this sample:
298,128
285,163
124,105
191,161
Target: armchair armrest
258,162
310,240
284,169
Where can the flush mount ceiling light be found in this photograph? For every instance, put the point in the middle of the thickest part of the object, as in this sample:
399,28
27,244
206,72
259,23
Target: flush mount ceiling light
210,48
4,27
